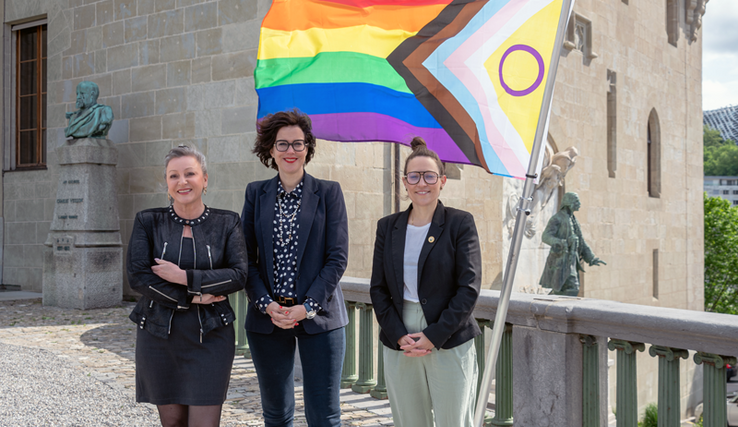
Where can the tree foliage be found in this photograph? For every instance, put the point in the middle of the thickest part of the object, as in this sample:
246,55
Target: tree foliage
721,256
720,155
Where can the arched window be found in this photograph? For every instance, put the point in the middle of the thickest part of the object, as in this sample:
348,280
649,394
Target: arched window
653,149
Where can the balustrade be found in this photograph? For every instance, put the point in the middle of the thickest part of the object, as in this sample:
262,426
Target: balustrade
561,337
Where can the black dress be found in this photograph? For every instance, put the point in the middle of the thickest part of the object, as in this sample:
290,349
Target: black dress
183,369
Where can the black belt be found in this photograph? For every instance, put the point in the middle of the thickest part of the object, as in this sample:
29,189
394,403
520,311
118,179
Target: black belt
286,301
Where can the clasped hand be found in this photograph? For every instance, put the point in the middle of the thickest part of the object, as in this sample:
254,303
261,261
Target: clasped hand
415,345
171,272
286,317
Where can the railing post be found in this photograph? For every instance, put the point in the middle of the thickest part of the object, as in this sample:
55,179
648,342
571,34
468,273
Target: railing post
240,306
715,407
380,391
504,381
366,350
349,376
626,404
669,396
590,381
480,347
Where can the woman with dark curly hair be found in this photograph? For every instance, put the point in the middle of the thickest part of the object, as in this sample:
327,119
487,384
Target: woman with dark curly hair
296,233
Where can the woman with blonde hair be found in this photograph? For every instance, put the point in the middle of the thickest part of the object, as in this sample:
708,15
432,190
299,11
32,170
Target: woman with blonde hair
185,259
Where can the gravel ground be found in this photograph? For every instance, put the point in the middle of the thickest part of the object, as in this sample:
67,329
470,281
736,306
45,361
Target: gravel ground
40,388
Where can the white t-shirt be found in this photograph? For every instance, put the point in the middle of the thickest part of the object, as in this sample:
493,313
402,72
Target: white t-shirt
414,239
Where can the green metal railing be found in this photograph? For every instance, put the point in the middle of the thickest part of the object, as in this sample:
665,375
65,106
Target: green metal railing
361,378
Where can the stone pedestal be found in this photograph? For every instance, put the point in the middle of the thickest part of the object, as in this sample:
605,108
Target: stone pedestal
83,265
547,368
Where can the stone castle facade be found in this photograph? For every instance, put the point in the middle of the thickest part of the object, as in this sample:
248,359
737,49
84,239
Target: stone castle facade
627,96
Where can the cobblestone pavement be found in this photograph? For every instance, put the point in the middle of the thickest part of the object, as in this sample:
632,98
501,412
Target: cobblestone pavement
101,344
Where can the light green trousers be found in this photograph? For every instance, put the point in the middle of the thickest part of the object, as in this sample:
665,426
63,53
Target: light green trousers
440,386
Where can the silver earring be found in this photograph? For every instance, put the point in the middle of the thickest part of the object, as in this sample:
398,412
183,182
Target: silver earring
205,191
170,199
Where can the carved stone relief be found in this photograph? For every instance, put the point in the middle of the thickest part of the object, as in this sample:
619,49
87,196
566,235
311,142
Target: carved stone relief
695,12
546,196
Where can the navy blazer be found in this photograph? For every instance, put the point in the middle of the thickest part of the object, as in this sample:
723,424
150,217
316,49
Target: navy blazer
322,253
449,277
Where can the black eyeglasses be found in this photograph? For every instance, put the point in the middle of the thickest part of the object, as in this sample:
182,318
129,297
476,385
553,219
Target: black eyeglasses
297,145
429,177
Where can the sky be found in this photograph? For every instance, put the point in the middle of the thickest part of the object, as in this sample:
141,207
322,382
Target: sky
720,54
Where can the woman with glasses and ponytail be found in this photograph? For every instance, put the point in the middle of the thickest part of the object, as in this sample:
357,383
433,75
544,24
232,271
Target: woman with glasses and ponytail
425,281
296,232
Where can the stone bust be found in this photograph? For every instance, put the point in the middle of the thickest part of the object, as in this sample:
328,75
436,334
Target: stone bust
91,120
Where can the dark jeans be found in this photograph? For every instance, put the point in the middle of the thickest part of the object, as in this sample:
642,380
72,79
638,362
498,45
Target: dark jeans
321,356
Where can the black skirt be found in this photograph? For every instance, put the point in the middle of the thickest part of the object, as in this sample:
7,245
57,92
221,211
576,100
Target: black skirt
182,370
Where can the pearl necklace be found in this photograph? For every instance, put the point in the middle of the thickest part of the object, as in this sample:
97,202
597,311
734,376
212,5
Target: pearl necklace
282,216
191,222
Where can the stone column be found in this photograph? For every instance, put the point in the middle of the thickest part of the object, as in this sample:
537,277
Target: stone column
669,407
504,381
547,367
366,381
590,381
627,382
380,391
715,407
83,266
349,376
240,305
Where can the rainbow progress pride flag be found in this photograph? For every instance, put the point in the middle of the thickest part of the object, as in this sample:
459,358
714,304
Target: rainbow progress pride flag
468,76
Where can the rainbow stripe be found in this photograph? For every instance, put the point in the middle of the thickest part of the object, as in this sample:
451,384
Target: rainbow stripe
469,76
329,59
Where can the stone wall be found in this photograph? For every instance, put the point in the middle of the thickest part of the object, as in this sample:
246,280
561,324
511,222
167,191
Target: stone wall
181,72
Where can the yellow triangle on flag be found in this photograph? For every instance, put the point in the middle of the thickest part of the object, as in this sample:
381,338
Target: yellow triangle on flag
523,80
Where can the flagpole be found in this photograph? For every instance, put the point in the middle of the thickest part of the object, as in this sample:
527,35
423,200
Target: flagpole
523,211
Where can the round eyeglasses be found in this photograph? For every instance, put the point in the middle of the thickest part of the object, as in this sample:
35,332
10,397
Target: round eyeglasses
297,145
429,177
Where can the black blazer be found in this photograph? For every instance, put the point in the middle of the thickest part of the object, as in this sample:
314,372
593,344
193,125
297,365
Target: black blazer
220,269
322,253
449,277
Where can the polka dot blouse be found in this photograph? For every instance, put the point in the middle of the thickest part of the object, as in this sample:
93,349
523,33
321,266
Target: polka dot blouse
285,227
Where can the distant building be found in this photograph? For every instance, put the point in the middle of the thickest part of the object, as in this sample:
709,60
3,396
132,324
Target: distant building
725,120
722,186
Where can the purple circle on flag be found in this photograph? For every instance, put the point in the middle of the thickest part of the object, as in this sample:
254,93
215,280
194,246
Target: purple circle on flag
539,79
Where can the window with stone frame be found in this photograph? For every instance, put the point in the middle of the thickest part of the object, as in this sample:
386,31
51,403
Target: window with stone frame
30,96
655,277
612,124
579,37
672,21
653,155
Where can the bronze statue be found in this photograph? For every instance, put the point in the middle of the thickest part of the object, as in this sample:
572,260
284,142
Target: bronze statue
568,248
91,120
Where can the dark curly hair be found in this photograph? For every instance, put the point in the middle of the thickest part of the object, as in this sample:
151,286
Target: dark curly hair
266,134
420,149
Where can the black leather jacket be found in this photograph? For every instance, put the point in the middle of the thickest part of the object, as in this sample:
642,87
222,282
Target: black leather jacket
220,267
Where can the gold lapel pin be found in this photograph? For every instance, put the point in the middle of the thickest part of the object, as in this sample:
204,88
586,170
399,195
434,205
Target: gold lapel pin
431,239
